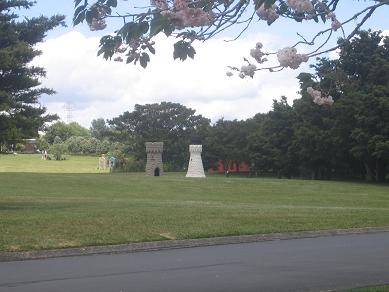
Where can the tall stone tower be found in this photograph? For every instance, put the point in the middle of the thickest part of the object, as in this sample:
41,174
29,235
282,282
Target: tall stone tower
154,166
195,168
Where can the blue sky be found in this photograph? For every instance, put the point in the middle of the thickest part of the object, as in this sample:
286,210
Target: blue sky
96,88
346,8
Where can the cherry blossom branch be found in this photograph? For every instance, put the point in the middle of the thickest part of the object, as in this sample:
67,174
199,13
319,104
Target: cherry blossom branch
359,25
370,8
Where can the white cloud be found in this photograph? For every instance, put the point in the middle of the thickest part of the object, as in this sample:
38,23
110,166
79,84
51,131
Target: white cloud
98,88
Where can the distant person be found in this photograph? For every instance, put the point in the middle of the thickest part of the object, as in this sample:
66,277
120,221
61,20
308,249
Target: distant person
112,163
102,162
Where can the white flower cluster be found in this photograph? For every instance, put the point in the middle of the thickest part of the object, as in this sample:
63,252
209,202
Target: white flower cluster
318,99
99,22
183,15
268,14
248,70
300,6
160,4
257,53
4,113
335,25
288,57
180,4
192,17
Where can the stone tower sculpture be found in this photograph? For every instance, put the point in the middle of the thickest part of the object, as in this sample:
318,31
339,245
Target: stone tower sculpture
154,165
195,168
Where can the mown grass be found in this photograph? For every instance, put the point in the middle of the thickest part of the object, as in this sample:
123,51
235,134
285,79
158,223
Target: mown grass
35,163
51,210
384,288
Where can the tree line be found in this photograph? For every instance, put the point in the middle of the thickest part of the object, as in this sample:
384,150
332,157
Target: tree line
349,139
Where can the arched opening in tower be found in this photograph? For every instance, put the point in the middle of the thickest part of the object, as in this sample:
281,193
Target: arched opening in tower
156,171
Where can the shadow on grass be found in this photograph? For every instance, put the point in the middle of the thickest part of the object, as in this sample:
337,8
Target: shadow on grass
16,206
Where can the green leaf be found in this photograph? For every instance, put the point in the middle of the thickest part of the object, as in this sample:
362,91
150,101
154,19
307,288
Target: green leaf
142,16
168,30
133,30
144,59
130,59
91,13
76,2
80,18
107,10
299,17
157,24
151,49
191,52
107,46
143,28
79,15
182,50
112,3
79,9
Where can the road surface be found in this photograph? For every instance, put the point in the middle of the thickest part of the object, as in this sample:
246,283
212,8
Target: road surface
311,264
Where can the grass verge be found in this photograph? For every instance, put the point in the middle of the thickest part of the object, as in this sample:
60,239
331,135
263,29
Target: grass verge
384,288
34,163
54,210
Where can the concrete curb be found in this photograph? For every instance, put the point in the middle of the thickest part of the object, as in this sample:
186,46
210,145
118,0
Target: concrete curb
175,244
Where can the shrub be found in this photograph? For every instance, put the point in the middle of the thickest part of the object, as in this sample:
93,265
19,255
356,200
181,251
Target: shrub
58,150
19,147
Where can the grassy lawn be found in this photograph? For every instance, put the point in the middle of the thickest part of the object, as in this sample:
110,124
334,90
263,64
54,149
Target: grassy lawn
34,163
371,289
54,206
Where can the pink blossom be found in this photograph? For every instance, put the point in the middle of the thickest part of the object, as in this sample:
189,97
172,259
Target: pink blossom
192,17
180,4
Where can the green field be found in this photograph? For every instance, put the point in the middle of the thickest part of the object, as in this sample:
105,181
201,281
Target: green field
371,289
35,163
54,206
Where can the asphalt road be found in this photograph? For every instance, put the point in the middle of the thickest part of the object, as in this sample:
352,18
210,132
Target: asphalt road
312,264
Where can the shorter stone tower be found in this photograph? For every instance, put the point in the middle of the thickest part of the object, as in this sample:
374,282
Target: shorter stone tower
195,168
154,166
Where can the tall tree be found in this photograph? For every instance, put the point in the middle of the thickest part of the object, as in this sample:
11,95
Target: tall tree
65,131
312,143
171,123
227,141
21,116
356,127
365,63
99,129
270,142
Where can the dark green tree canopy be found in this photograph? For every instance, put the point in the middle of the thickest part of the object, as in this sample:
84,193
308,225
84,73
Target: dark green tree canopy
21,116
99,129
65,131
227,141
349,138
171,123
